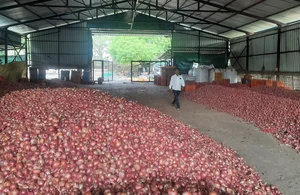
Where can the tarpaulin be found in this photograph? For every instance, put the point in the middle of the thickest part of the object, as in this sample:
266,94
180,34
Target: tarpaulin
13,71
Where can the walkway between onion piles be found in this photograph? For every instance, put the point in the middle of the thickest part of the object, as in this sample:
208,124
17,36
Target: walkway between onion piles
276,164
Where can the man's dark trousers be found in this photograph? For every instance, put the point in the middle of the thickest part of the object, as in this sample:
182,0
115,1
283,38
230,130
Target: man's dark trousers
176,98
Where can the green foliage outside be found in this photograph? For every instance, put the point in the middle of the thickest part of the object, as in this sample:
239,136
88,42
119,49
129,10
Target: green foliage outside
124,49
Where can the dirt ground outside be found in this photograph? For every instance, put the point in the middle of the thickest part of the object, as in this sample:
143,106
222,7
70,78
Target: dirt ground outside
276,163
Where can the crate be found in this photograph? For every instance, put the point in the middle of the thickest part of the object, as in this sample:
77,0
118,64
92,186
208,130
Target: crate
158,80
190,87
190,82
268,83
278,84
76,77
226,81
218,76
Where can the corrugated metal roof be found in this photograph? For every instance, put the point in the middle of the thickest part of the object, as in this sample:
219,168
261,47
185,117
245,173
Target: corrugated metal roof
229,18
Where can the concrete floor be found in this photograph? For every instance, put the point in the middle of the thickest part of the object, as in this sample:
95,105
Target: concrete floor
277,164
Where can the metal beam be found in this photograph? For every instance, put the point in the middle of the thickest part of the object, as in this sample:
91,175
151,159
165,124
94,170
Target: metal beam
220,9
241,12
23,4
236,13
247,55
131,8
26,53
196,18
33,12
267,16
278,49
64,14
133,14
6,47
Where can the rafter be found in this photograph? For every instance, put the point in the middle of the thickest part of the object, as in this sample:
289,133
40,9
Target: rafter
196,18
132,8
64,14
22,4
266,17
32,12
241,12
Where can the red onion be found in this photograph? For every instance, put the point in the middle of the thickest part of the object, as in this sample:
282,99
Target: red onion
284,121
81,141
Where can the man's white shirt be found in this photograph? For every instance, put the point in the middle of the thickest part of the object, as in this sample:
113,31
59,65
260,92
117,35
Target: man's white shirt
176,82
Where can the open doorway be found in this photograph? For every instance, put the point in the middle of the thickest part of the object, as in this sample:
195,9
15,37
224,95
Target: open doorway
113,53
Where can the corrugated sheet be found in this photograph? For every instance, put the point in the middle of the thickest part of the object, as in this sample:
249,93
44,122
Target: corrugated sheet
80,25
44,60
237,46
266,43
263,45
239,66
13,38
77,48
73,60
256,63
290,62
290,40
74,34
49,35
290,27
44,47
264,33
191,39
74,45
182,40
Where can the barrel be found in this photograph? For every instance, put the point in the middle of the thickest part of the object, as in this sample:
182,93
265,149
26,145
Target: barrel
86,77
65,75
100,80
42,73
33,72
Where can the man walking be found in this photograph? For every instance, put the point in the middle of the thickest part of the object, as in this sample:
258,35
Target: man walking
176,84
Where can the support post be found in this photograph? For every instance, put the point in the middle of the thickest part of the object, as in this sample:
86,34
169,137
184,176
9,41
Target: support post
278,52
199,44
93,70
102,69
26,53
6,47
112,71
58,52
131,72
247,55
227,52
172,45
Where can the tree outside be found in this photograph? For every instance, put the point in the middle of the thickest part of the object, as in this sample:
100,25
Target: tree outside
124,49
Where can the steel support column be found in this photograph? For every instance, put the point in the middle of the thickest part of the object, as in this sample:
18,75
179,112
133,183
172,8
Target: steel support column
58,51
26,53
247,55
6,47
199,44
172,45
227,52
278,53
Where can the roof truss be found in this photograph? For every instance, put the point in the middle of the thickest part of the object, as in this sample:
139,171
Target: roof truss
187,13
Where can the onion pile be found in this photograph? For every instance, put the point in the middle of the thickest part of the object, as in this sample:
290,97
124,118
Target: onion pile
7,87
276,113
276,91
83,141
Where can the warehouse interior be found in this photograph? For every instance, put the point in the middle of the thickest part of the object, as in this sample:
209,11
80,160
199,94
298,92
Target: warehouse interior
240,60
